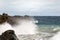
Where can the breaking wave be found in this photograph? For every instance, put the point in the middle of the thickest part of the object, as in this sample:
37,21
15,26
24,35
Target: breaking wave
25,27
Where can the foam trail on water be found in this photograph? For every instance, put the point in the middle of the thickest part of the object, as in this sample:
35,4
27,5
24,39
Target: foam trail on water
25,27
4,27
56,36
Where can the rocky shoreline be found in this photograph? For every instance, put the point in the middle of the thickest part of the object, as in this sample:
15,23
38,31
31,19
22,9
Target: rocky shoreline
13,19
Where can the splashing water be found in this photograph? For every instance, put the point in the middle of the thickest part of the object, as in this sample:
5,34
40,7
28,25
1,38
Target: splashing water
25,27
5,26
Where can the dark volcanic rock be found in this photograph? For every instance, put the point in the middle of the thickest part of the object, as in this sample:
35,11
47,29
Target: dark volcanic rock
8,35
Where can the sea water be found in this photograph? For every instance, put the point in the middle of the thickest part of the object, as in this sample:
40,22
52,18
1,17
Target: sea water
49,27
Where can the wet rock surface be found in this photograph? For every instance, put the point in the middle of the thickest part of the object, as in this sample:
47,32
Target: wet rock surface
8,35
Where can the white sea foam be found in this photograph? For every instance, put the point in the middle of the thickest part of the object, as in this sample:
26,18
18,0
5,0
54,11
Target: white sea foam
56,36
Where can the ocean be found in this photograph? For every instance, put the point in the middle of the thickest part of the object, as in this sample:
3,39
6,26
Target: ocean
48,20
48,25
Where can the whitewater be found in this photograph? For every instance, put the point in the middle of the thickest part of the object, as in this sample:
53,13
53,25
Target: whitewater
27,30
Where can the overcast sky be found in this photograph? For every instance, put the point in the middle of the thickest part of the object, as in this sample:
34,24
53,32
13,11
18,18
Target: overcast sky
30,7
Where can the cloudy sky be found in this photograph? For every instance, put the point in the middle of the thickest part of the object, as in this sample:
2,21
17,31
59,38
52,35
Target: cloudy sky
30,7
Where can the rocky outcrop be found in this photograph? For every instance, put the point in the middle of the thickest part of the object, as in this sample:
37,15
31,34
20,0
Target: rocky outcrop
3,18
13,19
8,35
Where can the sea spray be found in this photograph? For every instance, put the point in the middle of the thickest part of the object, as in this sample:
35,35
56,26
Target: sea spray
25,27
